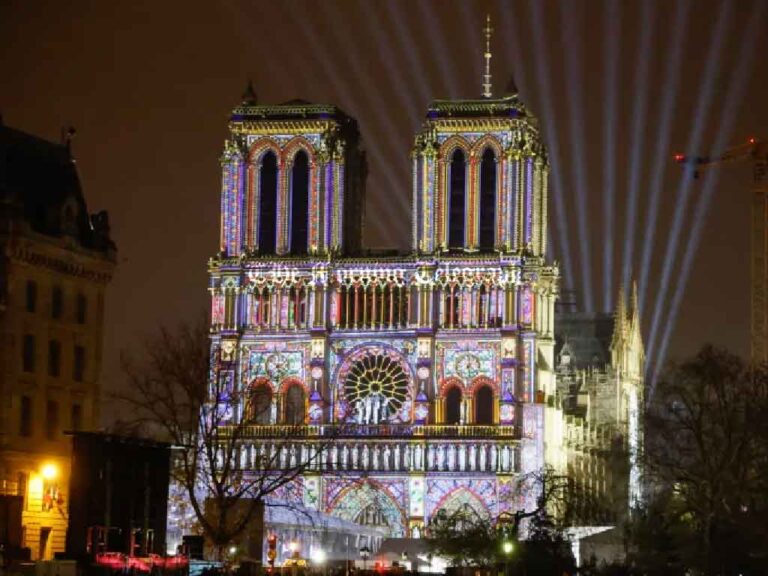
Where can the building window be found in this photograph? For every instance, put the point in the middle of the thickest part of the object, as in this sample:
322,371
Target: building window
78,368
453,406
268,204
57,302
76,420
300,203
484,405
456,200
51,419
31,296
487,200
25,417
82,308
21,490
28,353
54,358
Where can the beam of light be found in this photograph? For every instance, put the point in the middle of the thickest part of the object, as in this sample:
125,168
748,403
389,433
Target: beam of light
337,21
694,143
245,34
612,31
408,52
431,23
508,35
476,45
571,21
344,91
545,94
640,93
406,97
677,33
516,61
731,107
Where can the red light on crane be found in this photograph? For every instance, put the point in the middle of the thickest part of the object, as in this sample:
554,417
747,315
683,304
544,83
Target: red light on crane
753,140
679,157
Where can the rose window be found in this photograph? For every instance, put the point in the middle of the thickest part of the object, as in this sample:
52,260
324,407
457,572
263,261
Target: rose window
376,387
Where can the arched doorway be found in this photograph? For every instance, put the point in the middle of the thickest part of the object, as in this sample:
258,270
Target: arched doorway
370,505
453,405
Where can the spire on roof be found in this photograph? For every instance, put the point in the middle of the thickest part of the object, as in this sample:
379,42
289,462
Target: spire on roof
249,96
487,76
620,320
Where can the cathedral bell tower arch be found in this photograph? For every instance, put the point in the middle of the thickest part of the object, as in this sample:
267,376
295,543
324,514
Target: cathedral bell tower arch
292,180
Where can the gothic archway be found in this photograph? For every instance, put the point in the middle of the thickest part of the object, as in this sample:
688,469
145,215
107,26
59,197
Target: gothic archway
453,399
259,407
370,505
483,405
464,506
295,405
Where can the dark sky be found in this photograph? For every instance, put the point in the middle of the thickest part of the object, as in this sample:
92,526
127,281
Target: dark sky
149,86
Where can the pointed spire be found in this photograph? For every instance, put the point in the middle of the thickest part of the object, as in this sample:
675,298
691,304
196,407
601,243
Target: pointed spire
511,85
620,319
634,302
249,96
487,76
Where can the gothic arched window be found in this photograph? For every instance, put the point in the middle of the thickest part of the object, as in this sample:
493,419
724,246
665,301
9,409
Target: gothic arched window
268,203
487,200
260,404
453,406
294,405
484,405
300,203
457,212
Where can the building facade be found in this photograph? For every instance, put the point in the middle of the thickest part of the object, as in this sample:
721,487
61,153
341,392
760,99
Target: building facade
599,364
56,260
430,370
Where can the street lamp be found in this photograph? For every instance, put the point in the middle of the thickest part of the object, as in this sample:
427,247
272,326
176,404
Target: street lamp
293,546
318,558
365,552
507,547
49,471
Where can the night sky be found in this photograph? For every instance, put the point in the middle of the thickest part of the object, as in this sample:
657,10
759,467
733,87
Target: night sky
618,86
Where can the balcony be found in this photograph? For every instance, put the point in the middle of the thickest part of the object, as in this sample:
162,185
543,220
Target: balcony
382,431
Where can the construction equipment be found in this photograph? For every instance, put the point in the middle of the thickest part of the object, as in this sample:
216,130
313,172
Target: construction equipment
756,152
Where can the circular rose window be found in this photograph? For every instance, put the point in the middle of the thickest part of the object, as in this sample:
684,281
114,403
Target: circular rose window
376,387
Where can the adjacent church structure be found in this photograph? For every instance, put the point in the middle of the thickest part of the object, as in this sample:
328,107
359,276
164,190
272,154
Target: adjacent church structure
434,372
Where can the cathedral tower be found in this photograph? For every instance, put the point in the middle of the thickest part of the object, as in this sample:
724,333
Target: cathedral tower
289,172
480,179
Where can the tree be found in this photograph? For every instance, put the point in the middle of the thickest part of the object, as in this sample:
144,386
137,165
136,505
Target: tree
178,393
707,458
467,539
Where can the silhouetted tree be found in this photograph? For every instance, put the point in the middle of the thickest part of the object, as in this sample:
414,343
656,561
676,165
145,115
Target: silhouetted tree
177,393
707,460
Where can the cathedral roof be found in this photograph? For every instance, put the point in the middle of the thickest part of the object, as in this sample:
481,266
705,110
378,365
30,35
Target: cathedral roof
505,107
41,179
292,110
586,338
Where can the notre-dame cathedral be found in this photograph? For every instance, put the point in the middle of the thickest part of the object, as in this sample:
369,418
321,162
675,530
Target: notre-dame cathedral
439,373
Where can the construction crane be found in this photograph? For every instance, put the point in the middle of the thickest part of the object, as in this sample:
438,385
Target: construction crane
756,152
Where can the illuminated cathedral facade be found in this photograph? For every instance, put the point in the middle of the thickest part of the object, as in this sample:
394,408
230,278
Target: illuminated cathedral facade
411,383
430,369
